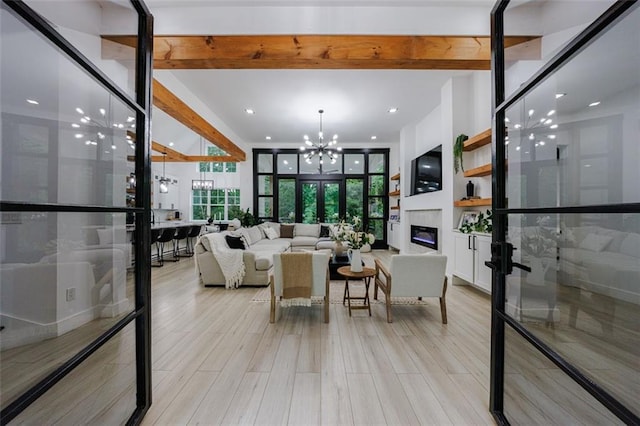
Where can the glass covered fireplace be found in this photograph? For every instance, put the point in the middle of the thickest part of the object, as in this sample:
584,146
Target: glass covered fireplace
425,236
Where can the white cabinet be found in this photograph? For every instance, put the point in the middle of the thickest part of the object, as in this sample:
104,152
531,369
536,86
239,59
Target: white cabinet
470,253
394,235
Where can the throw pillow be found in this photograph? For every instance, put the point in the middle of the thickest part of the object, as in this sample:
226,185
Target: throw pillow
234,242
324,231
270,233
275,226
286,231
105,236
631,245
254,234
595,242
307,230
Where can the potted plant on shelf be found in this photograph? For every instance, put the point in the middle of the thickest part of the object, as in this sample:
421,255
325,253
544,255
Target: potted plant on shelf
458,147
482,224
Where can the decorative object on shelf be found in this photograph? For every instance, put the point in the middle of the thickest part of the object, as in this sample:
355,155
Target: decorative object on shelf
458,146
321,148
164,181
470,189
355,260
472,221
202,183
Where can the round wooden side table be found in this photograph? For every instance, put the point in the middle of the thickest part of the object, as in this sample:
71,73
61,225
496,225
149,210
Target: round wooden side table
366,275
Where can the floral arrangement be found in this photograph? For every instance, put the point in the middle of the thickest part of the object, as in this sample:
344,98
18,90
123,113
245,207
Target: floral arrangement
541,240
352,233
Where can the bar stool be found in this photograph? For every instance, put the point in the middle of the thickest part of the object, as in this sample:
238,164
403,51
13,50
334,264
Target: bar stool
155,234
181,234
194,232
165,236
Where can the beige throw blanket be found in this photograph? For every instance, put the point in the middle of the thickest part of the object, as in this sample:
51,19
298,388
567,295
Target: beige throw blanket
297,279
231,263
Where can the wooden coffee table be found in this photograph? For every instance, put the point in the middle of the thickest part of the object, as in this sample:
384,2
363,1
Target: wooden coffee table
365,275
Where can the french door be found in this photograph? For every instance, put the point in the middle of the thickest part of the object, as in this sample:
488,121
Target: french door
321,200
566,216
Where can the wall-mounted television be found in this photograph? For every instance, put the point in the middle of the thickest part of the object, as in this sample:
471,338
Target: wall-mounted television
426,172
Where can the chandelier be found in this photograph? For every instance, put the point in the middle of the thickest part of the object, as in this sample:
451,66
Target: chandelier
320,148
202,183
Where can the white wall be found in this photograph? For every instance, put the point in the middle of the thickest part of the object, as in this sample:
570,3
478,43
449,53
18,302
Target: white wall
465,107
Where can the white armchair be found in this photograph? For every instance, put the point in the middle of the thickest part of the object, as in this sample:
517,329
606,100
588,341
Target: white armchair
413,275
286,277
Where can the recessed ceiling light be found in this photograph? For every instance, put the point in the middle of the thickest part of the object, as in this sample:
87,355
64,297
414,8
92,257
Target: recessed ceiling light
551,136
531,111
33,102
76,125
268,138
113,147
553,126
79,135
285,162
517,148
249,111
171,144
559,95
373,138
393,110
596,103
102,111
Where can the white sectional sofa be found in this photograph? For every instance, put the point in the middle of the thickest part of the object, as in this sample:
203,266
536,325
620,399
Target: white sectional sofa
259,250
604,261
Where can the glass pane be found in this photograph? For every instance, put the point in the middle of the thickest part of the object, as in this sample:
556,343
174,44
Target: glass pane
376,207
265,163
100,391
331,202
286,200
583,288
64,138
265,209
332,167
85,23
233,197
354,164
554,24
265,185
376,185
311,166
309,202
376,227
536,392
376,163
355,197
581,148
64,282
287,164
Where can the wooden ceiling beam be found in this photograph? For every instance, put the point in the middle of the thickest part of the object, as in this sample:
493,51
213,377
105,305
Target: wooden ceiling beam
170,153
324,51
164,99
195,159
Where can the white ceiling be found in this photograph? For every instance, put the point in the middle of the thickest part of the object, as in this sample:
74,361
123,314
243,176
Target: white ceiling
356,102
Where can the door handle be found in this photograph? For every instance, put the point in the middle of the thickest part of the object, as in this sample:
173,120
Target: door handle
521,266
469,242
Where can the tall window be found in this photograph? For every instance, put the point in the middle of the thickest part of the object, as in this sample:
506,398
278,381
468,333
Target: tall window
219,204
217,167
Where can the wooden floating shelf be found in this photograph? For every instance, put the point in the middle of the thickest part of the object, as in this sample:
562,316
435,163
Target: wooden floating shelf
473,203
394,193
475,142
395,208
395,177
479,171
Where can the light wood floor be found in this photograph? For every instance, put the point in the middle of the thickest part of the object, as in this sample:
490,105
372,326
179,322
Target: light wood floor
218,360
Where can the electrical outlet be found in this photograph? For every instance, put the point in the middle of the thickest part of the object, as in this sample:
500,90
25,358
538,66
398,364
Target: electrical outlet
71,294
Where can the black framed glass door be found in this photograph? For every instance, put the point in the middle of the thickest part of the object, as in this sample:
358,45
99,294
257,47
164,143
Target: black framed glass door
566,281
321,200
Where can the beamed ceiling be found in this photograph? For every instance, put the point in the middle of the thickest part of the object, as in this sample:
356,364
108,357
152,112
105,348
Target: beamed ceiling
317,52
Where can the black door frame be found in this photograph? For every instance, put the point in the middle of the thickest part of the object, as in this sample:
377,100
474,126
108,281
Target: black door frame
320,195
141,316
501,251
